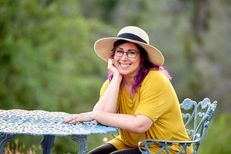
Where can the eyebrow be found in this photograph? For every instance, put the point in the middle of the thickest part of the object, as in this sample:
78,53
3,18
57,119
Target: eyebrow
129,49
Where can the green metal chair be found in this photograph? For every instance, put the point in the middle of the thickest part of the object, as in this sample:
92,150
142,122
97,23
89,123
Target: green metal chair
197,117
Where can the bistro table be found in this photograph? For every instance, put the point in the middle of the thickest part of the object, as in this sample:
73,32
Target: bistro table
48,125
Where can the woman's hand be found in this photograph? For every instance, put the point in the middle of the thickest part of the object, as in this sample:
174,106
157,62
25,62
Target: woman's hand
111,67
82,117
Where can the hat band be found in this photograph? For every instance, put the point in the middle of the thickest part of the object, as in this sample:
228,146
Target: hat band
132,37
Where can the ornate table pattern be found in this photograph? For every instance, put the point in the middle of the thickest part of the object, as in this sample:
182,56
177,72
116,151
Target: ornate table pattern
47,124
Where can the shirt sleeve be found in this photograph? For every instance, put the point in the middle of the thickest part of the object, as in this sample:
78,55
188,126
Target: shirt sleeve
104,87
154,95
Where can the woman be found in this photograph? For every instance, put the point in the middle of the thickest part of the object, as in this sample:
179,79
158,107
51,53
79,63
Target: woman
138,97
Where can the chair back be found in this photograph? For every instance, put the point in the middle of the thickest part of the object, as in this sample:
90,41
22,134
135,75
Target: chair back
197,117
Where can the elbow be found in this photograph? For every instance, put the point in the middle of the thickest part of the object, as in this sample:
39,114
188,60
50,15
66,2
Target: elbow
140,128
104,108
142,124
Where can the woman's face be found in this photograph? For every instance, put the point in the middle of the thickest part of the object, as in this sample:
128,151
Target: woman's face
127,59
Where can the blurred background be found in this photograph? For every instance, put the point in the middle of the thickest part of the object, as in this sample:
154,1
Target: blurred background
47,61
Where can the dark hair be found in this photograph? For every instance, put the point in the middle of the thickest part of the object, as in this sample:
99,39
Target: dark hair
145,64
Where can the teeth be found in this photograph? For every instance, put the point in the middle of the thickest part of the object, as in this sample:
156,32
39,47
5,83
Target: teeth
124,65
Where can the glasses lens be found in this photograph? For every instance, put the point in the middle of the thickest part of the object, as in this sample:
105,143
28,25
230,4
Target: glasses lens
119,53
132,54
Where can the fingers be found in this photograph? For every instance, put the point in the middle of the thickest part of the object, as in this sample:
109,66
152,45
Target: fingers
72,120
111,67
82,117
110,63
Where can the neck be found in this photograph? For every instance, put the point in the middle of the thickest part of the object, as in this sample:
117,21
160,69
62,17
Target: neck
128,83
128,80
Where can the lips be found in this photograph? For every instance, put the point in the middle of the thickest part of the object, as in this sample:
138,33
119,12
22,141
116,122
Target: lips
124,66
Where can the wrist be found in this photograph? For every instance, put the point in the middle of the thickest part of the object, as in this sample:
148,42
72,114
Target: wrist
117,76
95,115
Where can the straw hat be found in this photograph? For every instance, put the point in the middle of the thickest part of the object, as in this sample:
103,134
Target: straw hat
133,34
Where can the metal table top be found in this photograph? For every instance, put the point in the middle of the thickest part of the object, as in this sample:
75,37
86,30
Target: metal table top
39,122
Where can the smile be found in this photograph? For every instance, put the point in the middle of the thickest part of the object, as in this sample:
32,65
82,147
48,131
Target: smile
124,66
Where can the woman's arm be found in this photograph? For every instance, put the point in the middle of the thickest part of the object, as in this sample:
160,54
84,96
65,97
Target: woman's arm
108,101
131,123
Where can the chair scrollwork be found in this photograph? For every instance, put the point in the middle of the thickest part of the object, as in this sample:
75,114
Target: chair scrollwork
197,117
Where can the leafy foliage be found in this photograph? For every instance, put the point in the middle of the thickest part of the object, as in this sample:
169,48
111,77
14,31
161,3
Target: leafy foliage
47,57
218,136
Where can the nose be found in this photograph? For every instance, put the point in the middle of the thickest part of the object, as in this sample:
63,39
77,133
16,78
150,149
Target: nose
124,57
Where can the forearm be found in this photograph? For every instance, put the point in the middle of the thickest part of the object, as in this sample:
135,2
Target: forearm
131,123
108,101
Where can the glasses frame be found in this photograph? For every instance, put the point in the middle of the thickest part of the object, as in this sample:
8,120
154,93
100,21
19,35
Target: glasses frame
129,53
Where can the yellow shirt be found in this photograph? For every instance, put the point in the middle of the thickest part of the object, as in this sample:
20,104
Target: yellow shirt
155,98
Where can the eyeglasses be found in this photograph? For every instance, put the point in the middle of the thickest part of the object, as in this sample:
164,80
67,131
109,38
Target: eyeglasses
130,53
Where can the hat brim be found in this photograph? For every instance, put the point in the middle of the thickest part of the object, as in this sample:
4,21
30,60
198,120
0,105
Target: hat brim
103,48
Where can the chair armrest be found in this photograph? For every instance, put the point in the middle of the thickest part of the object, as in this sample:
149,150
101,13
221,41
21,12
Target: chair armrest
164,145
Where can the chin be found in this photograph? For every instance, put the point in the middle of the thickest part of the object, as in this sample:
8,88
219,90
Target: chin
125,73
